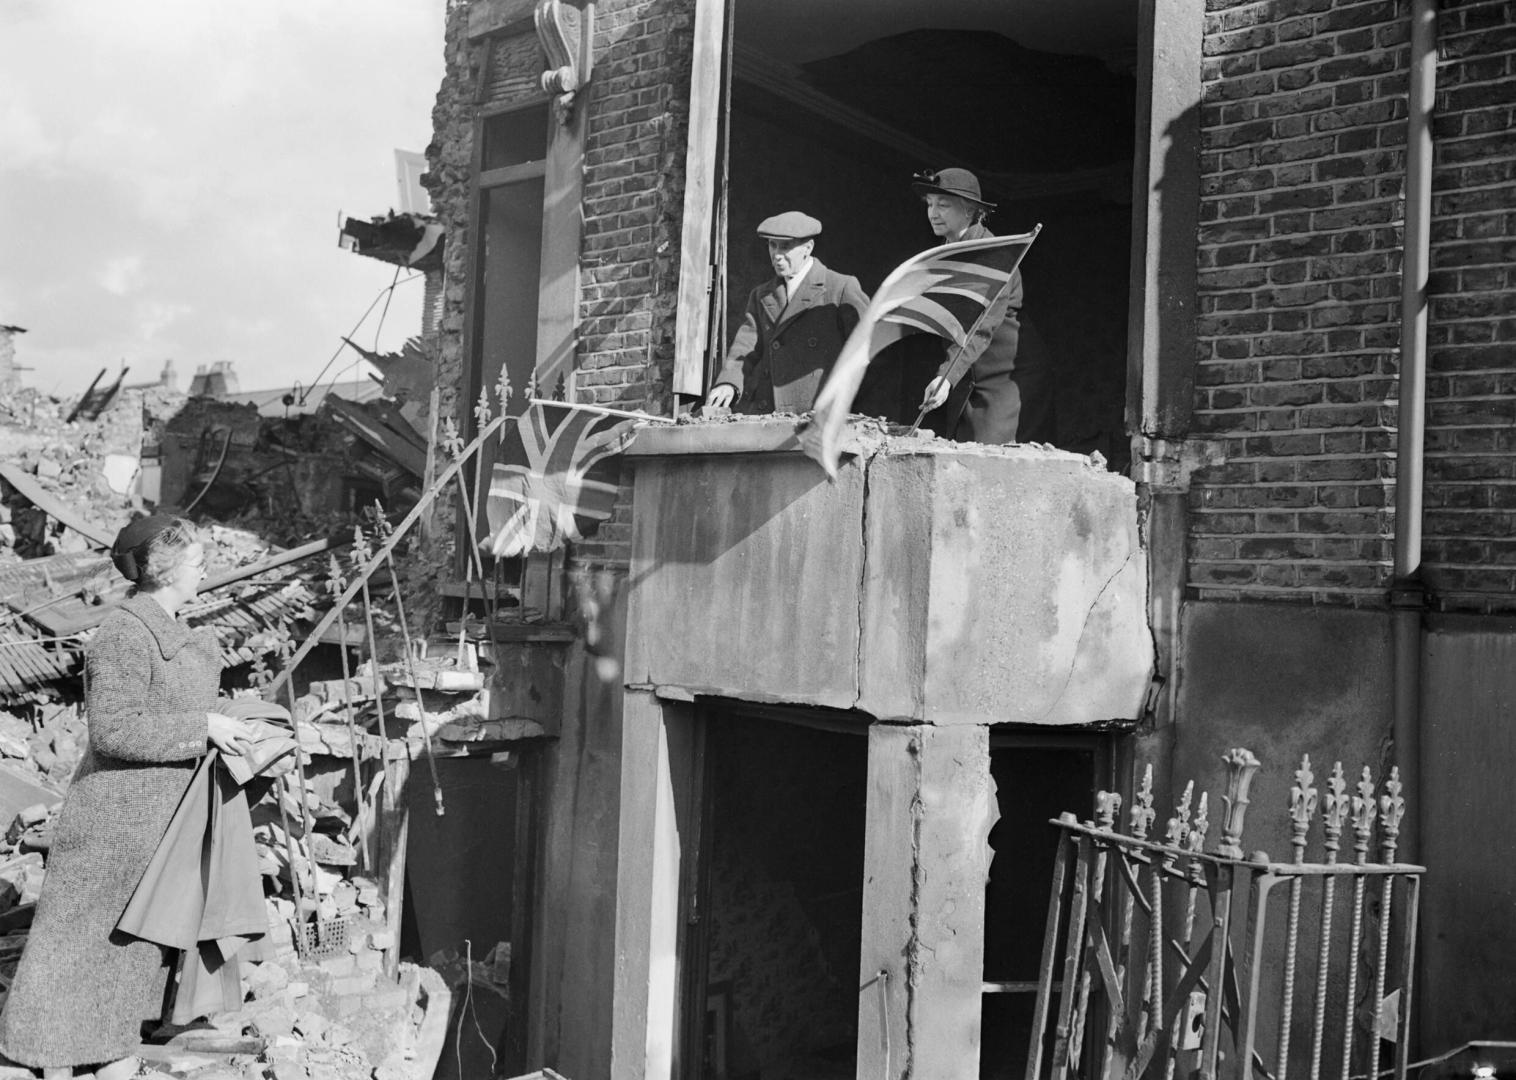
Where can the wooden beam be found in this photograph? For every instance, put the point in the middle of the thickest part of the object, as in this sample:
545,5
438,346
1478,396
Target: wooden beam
510,174
786,83
1165,216
394,831
656,780
702,180
39,497
488,17
558,273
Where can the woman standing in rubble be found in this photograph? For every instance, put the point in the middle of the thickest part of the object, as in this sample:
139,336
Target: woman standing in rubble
84,988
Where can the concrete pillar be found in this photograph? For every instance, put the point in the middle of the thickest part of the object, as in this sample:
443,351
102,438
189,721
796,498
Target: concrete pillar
657,783
926,859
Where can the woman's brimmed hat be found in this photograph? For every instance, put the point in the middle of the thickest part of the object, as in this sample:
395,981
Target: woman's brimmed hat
959,182
129,542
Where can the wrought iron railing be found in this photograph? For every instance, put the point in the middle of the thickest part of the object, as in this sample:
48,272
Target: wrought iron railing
1162,958
374,550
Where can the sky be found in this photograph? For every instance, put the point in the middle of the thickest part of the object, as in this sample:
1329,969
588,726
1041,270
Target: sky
172,174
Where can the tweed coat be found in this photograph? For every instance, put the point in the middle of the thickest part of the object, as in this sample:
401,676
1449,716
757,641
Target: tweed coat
782,352
83,987
985,403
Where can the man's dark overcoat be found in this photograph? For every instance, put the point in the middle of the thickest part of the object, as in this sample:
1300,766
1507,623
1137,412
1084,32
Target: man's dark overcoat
984,405
84,988
781,353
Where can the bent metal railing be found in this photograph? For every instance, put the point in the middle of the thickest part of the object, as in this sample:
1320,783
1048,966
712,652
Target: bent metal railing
372,551
1160,977
367,561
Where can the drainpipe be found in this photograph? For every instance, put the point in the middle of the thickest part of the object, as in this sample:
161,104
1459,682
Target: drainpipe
1407,596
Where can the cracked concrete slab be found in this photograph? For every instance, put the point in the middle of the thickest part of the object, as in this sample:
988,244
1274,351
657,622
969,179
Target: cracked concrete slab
932,582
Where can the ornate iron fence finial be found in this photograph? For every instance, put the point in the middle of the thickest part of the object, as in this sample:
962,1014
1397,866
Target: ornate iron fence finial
1107,806
1391,811
1241,767
1302,806
1363,815
1142,812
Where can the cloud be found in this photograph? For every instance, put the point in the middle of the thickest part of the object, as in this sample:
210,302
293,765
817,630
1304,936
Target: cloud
121,275
24,137
153,318
183,166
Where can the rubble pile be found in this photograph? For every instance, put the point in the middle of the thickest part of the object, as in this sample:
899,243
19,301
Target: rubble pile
438,699
334,1002
87,467
327,1010
43,744
330,1000
50,606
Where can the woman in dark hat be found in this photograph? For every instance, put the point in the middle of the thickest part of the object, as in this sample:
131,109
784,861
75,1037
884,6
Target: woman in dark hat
972,397
84,988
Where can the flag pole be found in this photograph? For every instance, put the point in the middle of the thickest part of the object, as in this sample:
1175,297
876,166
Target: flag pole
962,350
602,410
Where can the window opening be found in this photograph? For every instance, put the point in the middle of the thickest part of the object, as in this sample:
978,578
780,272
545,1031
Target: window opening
1034,784
507,238
1040,104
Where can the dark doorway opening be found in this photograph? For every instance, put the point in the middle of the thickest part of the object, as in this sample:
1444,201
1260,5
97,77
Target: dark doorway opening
468,886
832,114
1034,784
775,992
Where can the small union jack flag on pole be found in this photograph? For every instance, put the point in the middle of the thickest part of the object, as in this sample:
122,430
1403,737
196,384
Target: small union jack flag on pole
944,291
557,479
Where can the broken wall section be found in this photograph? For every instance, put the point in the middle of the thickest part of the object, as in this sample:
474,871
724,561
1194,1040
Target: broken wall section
932,582
635,123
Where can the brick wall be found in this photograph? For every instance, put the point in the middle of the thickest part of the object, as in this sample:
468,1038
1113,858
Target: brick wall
633,202
633,190
633,217
1470,530
1302,121
9,377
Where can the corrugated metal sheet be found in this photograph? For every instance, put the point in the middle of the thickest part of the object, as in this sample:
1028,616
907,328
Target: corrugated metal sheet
27,663
31,658
251,611
53,570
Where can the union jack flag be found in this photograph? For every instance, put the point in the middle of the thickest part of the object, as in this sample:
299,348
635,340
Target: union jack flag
557,477
944,290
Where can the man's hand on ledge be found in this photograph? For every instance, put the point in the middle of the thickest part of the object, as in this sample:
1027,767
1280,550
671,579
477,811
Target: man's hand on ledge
718,400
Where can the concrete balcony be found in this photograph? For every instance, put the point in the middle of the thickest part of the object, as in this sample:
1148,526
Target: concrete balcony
932,582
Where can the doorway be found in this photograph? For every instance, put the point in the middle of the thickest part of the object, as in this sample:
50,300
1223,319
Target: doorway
1036,779
470,877
773,986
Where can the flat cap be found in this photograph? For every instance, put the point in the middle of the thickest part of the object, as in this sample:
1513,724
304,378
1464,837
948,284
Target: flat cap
790,225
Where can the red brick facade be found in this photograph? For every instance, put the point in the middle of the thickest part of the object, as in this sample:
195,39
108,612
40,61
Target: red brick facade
1470,538
1302,173
634,150
1302,168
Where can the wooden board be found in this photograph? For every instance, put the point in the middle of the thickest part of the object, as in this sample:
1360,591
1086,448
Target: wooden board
43,500
701,181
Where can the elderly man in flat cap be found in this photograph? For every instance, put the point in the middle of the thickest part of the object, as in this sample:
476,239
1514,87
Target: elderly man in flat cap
793,327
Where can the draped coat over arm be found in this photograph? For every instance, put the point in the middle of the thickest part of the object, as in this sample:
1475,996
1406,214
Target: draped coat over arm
83,988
